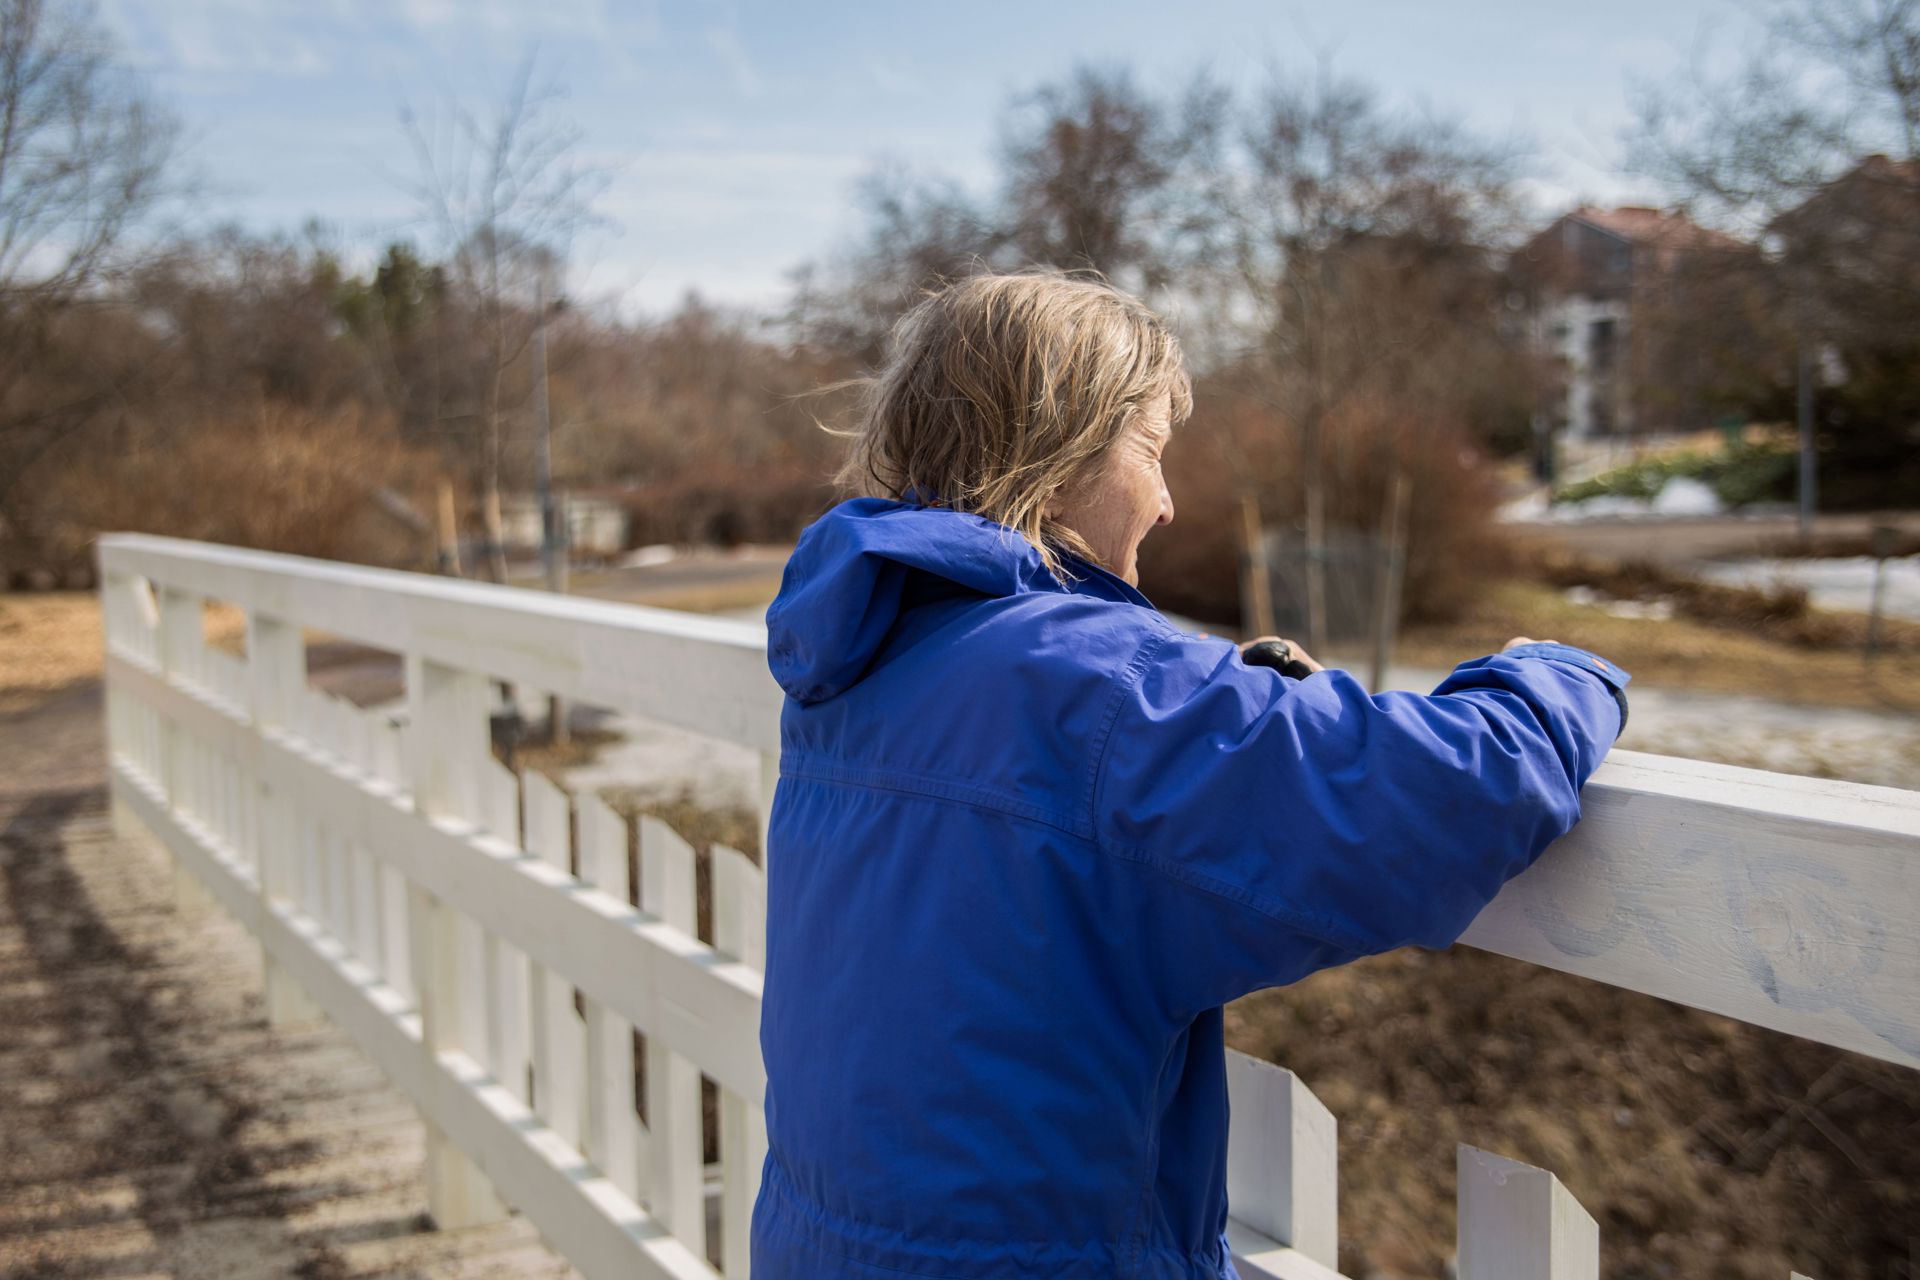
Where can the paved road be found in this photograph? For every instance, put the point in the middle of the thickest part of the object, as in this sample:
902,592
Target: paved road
1678,540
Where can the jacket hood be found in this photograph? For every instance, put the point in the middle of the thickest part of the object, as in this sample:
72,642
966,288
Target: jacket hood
859,566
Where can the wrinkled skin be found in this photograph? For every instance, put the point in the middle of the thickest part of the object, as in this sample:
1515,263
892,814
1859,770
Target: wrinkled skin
1116,507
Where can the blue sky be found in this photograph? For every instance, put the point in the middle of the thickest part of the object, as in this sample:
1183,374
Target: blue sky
735,131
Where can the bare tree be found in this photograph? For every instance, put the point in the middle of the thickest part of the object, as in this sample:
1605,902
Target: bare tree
1812,147
1094,173
507,193
1834,80
1088,166
84,158
1358,241
921,230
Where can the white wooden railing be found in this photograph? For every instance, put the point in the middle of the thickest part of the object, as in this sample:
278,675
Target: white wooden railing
446,912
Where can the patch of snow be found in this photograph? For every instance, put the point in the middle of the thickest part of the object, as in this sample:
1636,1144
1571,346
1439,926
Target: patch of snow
642,557
1651,610
1679,496
1685,496
1531,505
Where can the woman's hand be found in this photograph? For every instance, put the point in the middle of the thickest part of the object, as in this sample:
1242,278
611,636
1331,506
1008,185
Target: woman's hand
1298,654
1519,640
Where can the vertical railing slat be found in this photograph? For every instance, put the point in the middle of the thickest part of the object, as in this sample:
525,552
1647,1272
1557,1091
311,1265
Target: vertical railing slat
396,960
509,1029
116,633
613,1125
559,1037
277,672
739,931
180,640
448,733
674,1140
1517,1222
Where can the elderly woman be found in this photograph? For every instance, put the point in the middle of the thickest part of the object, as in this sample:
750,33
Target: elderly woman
1029,837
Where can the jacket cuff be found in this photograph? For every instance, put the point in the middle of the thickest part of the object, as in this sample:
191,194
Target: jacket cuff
1615,678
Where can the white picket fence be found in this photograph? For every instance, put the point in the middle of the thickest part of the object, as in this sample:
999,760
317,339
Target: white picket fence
480,936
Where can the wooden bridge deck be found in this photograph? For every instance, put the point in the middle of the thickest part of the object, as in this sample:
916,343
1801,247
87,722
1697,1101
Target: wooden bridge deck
150,1122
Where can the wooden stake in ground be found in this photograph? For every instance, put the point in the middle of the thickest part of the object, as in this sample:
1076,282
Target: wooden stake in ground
1256,578
449,531
1882,547
1386,600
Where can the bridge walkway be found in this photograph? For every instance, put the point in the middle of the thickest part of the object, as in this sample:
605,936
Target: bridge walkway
154,1124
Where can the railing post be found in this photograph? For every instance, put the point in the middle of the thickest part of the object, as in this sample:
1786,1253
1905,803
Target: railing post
509,978
674,1139
559,1036
613,1124
1517,1222
181,640
740,931
116,632
277,674
449,733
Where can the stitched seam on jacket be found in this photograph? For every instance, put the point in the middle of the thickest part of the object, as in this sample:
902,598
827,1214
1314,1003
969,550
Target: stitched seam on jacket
1128,678
1318,927
919,784
1150,1159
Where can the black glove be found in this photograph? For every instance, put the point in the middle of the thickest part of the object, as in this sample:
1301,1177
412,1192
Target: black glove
1277,654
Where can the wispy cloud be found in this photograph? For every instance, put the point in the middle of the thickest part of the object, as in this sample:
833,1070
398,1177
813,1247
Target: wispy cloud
887,75
726,45
223,37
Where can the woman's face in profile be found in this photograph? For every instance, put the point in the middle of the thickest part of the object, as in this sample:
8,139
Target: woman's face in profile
1115,507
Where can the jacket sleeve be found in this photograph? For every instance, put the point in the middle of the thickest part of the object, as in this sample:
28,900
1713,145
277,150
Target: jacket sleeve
1310,822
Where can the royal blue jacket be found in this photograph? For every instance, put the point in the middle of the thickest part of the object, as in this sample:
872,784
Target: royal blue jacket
1029,838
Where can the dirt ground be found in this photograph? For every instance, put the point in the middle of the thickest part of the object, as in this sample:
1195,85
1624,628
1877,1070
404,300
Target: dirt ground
1704,1148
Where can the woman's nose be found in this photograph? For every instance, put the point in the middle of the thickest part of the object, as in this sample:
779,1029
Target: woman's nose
1166,507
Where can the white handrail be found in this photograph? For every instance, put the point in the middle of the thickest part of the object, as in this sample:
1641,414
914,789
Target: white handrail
390,883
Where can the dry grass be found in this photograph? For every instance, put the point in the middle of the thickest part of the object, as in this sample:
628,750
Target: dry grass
702,826
52,640
48,642
1681,653
543,755
717,597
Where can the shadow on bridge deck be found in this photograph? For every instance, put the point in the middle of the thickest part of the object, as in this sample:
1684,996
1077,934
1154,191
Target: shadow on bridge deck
154,1125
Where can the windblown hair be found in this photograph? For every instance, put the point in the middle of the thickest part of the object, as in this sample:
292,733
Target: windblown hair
1000,391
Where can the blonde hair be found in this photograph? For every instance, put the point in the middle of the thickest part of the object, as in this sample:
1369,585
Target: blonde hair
998,391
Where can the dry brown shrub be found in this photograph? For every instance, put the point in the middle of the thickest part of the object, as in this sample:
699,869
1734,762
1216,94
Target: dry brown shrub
728,502
1236,443
264,475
